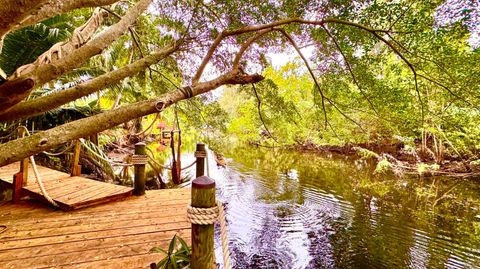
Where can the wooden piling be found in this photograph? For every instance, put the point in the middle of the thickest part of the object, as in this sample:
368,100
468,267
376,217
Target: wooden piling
200,164
17,187
203,196
24,170
76,168
139,185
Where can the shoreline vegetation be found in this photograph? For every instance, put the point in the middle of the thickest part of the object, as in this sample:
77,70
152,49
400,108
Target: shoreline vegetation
396,157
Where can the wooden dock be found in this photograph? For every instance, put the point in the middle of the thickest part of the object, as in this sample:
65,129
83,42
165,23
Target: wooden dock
67,191
114,235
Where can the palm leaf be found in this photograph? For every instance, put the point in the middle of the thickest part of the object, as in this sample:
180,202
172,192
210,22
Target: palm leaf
25,45
95,153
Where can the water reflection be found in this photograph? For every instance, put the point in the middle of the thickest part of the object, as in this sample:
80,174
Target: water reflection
292,210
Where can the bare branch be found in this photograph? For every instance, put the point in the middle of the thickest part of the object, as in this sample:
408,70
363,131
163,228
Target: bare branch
259,109
247,44
446,88
349,67
322,95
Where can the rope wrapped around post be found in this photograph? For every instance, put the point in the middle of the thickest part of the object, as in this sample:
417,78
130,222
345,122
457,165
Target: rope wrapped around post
139,159
200,154
208,216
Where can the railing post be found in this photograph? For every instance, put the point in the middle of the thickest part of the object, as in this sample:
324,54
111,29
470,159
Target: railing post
76,168
139,167
203,196
24,170
24,162
200,165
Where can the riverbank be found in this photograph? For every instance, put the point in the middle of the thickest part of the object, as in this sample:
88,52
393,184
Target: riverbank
399,158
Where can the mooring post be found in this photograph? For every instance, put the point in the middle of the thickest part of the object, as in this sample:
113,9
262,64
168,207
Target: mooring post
139,162
203,196
76,168
200,164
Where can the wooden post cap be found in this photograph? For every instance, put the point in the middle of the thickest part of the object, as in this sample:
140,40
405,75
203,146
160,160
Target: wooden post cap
139,144
203,182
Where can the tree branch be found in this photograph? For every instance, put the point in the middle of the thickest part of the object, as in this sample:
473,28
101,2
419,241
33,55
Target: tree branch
18,149
259,109
322,95
349,67
46,72
80,36
14,12
36,106
53,8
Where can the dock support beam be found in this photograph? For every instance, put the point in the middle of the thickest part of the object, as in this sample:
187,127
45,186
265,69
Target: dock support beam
76,168
203,196
139,167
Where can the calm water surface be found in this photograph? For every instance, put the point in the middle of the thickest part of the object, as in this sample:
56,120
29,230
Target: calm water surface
293,210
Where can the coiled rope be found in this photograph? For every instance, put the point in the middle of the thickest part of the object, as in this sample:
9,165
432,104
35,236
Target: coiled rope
208,216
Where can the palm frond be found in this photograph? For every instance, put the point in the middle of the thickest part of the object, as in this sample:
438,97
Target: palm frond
25,45
96,154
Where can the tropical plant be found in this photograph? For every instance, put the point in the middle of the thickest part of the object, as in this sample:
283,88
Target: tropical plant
176,256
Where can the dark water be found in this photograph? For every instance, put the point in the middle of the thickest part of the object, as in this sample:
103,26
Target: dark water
292,210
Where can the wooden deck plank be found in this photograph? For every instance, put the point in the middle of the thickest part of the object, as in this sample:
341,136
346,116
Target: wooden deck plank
165,199
55,186
115,235
66,230
78,190
68,192
99,192
18,234
150,239
96,254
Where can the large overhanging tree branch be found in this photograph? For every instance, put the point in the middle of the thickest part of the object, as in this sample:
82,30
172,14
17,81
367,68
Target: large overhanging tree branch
23,147
20,13
42,104
15,90
257,28
14,13
80,36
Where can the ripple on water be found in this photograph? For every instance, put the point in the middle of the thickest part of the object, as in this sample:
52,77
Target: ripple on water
317,228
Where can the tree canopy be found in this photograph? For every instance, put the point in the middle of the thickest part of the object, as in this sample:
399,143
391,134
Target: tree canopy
410,61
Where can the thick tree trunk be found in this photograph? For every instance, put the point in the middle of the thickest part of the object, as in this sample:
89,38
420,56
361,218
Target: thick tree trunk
9,95
36,106
53,8
80,36
13,13
18,149
20,13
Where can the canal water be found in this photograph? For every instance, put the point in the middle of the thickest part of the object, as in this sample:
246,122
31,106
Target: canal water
301,210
